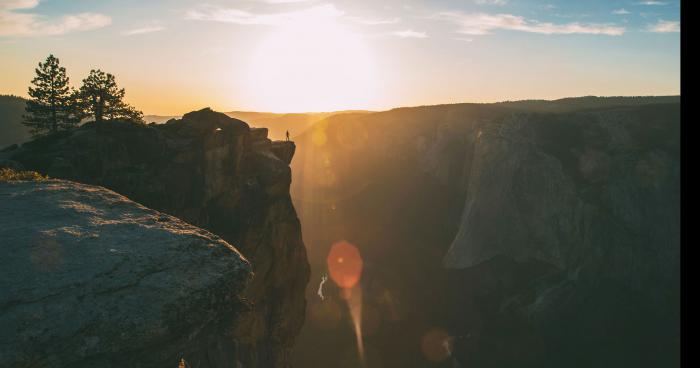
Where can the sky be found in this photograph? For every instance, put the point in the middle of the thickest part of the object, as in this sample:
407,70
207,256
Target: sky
174,56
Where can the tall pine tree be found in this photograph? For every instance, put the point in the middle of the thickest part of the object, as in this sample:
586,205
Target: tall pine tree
100,98
52,107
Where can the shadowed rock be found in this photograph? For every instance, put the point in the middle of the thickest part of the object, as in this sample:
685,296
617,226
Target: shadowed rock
216,173
558,223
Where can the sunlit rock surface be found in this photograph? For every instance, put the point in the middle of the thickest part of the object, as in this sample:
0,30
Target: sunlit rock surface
89,278
216,173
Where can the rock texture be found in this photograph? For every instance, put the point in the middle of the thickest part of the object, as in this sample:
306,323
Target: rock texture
579,213
216,173
558,223
572,189
89,278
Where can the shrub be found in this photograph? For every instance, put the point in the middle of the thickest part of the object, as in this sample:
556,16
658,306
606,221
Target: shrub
13,175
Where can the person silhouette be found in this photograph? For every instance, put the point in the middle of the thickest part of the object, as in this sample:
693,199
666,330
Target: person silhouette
288,135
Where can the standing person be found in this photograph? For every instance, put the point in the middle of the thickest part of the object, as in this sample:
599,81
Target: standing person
288,136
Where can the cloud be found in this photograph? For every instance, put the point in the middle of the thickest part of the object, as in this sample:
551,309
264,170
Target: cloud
18,4
491,2
143,30
408,33
375,21
651,2
285,1
622,11
483,23
237,16
665,26
30,24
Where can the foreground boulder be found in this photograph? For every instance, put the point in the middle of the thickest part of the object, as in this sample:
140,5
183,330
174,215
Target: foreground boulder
216,173
89,278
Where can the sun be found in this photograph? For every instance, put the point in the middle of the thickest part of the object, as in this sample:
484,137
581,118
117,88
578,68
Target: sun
312,64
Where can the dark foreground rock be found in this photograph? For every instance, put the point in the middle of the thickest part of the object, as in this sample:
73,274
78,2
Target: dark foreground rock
89,278
218,174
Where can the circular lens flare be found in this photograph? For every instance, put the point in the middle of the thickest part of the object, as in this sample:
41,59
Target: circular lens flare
344,264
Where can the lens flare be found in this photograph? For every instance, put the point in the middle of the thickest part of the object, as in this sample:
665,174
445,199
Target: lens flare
344,264
355,305
345,268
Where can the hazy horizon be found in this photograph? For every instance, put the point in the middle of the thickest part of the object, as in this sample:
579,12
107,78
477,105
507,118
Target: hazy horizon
313,55
406,106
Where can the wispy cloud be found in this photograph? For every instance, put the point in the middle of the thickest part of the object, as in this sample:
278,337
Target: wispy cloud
374,21
622,11
665,26
408,33
484,23
13,23
285,1
143,30
237,16
651,2
491,2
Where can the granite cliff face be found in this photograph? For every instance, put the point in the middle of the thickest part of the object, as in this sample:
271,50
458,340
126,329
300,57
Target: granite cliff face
570,235
214,172
579,191
89,278
534,233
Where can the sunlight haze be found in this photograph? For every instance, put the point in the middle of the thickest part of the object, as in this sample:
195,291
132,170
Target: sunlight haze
311,55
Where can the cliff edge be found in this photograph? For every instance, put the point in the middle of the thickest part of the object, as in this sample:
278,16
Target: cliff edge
216,173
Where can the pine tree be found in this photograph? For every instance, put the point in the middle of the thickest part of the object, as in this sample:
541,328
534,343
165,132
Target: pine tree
100,98
52,107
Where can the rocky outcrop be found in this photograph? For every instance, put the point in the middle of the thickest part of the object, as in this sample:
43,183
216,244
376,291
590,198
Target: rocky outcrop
213,172
89,278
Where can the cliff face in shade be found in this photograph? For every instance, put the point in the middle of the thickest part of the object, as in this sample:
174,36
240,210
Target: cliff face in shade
570,234
594,193
89,278
216,173
535,233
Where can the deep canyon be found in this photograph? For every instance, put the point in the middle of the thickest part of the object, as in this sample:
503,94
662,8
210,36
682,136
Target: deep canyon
515,234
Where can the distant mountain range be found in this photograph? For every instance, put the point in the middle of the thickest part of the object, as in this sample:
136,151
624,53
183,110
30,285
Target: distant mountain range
276,123
12,107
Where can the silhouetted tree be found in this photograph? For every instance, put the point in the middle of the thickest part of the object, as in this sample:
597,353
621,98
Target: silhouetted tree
52,106
100,98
